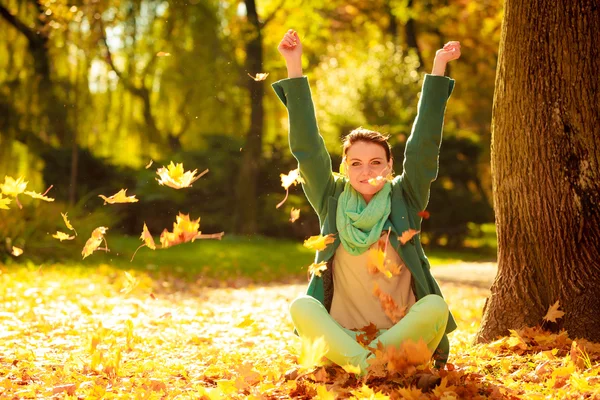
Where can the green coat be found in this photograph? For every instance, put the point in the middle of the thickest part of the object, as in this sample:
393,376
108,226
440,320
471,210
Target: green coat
410,191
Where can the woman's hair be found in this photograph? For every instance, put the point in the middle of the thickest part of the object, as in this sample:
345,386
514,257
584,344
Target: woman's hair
361,134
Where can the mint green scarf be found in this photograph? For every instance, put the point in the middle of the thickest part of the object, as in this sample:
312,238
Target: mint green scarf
360,224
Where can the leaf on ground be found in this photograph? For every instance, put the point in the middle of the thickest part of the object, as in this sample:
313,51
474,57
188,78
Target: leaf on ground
130,283
367,393
174,176
69,389
294,214
317,268
319,242
367,334
119,197
94,241
312,352
62,236
553,312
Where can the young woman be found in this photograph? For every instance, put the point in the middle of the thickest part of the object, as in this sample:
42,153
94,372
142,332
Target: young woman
364,213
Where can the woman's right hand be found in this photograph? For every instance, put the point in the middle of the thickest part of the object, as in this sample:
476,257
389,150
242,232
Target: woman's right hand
290,47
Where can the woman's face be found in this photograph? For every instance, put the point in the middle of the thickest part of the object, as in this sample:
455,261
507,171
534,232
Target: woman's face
366,160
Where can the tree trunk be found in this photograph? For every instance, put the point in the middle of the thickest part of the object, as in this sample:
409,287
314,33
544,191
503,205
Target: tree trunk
546,168
246,216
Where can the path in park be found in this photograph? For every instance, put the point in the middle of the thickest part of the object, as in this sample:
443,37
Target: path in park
479,274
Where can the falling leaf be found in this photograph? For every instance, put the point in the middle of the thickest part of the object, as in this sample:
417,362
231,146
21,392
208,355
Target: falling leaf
317,268
94,241
38,196
423,214
148,240
407,235
130,283
292,178
367,334
175,177
12,187
163,54
312,352
4,202
388,304
68,223
553,312
119,197
185,230
352,369
149,164
294,214
261,76
16,251
62,236
319,242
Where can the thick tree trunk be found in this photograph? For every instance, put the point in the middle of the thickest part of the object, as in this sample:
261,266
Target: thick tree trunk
546,168
246,215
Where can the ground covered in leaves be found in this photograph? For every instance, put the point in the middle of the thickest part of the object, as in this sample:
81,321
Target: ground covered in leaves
103,333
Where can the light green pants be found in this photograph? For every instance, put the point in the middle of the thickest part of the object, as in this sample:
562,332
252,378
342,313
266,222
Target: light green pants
426,320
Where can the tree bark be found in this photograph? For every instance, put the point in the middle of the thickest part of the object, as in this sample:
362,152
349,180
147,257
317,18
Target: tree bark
246,216
546,168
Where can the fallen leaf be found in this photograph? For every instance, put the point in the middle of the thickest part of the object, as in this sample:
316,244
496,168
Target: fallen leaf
352,369
94,241
317,268
174,176
319,242
119,197
68,389
312,352
553,312
294,214
16,251
261,76
62,236
130,283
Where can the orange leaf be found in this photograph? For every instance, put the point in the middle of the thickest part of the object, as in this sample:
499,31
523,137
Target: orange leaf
147,238
174,176
319,242
553,313
391,309
294,214
423,214
119,197
163,54
407,235
317,268
94,241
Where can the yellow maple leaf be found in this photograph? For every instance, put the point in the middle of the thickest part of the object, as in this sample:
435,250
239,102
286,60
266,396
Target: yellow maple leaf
292,178
185,230
312,352
553,312
366,393
39,196
12,187
119,197
261,76
94,241
148,241
174,176
352,369
294,214
317,268
319,242
16,251
68,223
410,393
407,235
324,394
443,388
4,202
62,236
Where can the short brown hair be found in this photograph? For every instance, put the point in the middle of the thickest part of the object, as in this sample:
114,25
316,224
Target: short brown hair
361,134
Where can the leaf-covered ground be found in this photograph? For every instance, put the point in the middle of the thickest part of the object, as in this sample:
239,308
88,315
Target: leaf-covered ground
101,333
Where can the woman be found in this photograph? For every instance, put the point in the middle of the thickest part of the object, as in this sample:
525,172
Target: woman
365,213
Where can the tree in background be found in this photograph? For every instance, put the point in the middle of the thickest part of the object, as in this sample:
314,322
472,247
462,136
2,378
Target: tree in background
546,168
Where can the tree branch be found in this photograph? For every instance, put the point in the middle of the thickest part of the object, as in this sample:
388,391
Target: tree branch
18,24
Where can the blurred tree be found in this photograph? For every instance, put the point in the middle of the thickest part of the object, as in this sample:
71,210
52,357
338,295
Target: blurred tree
546,169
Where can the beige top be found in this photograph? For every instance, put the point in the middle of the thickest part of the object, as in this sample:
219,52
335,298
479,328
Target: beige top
354,303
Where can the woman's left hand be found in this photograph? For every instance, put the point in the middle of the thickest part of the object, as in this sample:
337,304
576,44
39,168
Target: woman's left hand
450,51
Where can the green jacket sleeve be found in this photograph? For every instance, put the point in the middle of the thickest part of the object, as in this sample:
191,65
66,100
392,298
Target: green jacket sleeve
421,155
306,144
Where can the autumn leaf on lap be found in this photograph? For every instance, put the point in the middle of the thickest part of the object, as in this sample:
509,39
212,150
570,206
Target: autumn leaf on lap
119,197
319,242
391,309
292,178
174,176
94,241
